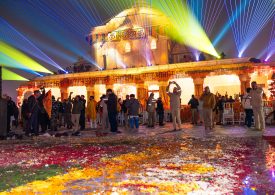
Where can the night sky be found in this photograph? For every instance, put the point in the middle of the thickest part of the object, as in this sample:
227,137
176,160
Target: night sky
58,27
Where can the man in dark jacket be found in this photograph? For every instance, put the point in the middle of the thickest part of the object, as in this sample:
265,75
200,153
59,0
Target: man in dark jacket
82,119
220,107
151,109
112,110
35,104
160,111
194,103
54,114
133,111
60,112
124,110
11,108
67,113
24,115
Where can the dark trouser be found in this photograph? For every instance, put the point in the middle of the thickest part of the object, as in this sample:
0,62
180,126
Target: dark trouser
25,124
60,119
151,119
54,122
16,120
8,123
248,117
82,120
68,119
161,117
33,123
194,115
113,121
44,121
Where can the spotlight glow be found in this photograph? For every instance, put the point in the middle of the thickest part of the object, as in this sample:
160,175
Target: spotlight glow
269,56
182,25
115,56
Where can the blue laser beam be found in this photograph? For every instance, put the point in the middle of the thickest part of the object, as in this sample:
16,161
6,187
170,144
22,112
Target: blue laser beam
207,12
249,24
78,22
228,24
14,37
271,44
262,13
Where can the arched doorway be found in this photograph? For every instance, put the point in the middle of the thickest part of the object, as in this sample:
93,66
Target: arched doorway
187,88
121,90
55,92
223,84
78,90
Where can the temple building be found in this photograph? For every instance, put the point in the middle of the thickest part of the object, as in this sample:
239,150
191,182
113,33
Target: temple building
135,55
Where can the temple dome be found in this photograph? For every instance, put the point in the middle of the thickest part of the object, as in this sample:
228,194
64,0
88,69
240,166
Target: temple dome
132,18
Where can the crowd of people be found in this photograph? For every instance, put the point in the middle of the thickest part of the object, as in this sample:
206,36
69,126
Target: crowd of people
110,112
210,107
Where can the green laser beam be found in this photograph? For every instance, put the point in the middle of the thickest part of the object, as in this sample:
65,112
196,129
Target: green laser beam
185,28
21,58
8,75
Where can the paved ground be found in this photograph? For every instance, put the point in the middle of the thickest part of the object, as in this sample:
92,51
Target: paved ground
229,160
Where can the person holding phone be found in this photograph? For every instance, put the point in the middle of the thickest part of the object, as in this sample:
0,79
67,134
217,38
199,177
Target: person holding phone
175,104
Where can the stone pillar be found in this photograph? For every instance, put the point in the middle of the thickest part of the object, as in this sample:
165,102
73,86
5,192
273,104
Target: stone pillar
142,93
64,93
64,85
109,82
198,85
162,93
109,86
90,91
245,82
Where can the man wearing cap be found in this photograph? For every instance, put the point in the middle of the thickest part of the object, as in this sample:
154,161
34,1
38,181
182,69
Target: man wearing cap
209,103
175,104
256,95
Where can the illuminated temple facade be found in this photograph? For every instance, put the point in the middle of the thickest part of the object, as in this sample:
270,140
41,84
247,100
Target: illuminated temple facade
136,56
